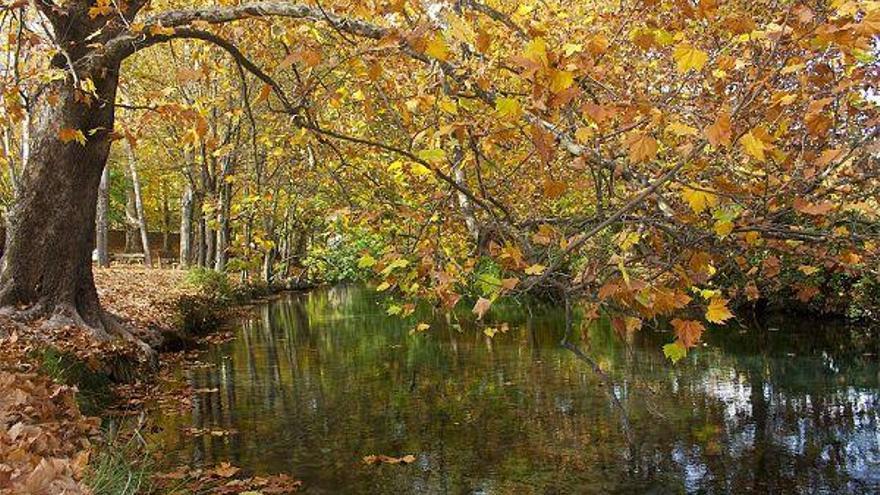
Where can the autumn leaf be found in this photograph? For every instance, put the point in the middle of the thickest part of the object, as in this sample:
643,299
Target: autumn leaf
753,146
675,351
698,199
384,459
508,108
436,48
598,44
717,311
434,155
642,147
481,306
460,29
719,133
688,331
67,135
225,470
554,189
687,57
819,208
535,269
509,283
561,80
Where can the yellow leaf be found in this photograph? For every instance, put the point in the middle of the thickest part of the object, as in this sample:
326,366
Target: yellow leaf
570,49
808,270
583,134
535,269
67,135
421,327
437,48
561,80
536,51
460,29
687,57
723,228
717,311
753,146
699,200
508,108
680,129
434,155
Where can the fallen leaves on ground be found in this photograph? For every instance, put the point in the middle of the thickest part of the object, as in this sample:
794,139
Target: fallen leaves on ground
225,478
384,459
44,439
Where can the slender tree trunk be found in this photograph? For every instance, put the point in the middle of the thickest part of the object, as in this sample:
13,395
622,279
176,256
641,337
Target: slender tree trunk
223,228
102,213
47,261
131,223
166,220
464,203
186,216
139,204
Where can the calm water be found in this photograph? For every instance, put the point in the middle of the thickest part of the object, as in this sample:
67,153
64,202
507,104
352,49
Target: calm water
314,382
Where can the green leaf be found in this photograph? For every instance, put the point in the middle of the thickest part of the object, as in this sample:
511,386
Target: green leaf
366,261
675,351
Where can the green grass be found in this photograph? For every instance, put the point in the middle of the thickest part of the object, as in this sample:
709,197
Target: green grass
120,468
94,393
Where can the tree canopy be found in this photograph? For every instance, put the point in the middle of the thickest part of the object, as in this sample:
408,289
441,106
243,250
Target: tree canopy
664,159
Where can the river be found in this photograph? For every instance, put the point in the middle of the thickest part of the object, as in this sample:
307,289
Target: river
314,382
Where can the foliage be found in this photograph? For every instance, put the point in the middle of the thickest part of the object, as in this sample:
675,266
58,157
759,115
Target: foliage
657,159
210,282
345,256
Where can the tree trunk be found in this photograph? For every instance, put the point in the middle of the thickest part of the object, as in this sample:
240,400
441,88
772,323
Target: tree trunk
103,210
186,215
464,203
223,227
166,221
131,223
47,261
139,204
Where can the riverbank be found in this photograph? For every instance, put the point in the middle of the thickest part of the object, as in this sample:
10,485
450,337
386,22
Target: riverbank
56,384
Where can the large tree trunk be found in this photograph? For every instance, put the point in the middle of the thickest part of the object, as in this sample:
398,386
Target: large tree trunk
139,204
102,220
47,262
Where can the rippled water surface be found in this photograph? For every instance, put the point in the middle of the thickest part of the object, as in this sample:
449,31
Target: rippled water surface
314,382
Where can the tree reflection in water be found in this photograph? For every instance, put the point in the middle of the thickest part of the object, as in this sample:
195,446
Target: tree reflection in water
314,382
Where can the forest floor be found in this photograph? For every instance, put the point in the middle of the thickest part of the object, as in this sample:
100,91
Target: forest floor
55,384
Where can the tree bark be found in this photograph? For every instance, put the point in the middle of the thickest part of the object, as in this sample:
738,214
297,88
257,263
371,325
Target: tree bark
186,214
138,203
101,221
131,223
47,261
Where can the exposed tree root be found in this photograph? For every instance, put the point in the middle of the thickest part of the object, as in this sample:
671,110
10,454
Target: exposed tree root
105,330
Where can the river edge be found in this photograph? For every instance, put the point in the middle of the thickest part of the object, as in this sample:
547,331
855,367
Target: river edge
59,389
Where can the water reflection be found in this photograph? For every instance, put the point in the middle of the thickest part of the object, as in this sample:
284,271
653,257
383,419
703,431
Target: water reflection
315,382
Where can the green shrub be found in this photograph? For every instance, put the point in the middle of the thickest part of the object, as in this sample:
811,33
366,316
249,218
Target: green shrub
338,260
212,283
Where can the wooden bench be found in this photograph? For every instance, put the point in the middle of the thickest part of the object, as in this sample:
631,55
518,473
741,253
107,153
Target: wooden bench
128,258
